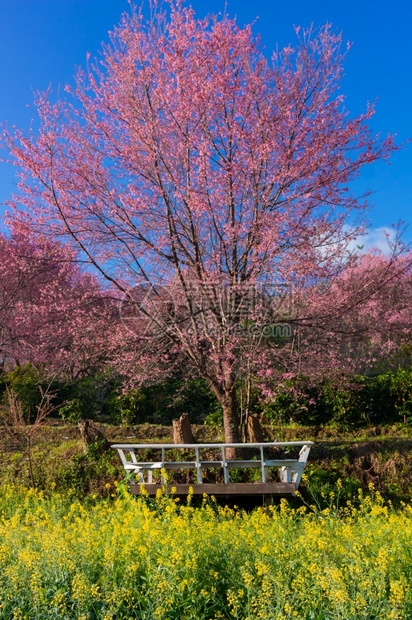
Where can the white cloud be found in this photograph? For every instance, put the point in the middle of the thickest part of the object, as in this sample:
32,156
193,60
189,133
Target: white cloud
379,238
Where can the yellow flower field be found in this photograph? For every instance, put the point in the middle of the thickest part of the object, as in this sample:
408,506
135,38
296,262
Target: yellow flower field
156,559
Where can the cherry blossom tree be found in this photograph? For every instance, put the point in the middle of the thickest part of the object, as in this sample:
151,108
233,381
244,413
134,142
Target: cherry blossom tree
346,325
207,184
51,313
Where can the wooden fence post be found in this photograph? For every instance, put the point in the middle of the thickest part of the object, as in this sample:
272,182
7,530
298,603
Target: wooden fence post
254,429
92,436
182,431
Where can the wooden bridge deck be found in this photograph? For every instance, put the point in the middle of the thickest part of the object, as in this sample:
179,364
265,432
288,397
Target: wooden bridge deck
232,488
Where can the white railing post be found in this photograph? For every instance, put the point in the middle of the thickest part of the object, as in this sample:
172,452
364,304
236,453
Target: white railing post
198,467
285,474
301,464
162,478
122,457
262,461
225,468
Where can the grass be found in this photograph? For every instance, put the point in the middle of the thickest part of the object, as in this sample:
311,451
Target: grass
381,456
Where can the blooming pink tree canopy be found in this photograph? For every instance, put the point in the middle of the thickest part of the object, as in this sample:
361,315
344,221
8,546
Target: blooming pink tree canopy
205,182
51,313
347,324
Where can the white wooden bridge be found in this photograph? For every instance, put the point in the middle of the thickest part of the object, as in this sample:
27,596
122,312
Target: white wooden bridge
277,476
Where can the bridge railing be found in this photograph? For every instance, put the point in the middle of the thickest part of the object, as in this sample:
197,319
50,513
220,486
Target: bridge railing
289,469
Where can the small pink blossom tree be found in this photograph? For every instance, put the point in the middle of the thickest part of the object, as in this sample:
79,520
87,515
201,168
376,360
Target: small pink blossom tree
52,314
204,182
347,325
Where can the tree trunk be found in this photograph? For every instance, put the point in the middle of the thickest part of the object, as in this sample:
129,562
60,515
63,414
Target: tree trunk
182,431
231,424
231,420
254,429
92,436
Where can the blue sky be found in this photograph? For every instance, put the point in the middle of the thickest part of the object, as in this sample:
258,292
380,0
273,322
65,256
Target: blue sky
42,41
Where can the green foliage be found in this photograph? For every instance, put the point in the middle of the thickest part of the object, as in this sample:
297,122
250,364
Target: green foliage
24,381
350,402
65,468
71,411
84,397
321,483
400,387
128,407
294,405
159,404
215,419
